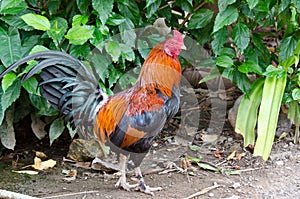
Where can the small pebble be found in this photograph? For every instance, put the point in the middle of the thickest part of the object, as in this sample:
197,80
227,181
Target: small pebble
211,195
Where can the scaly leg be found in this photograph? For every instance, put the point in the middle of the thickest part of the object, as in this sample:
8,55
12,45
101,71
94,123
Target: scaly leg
122,180
141,183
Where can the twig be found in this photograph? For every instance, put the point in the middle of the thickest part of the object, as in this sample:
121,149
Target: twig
250,169
14,195
72,194
204,191
190,14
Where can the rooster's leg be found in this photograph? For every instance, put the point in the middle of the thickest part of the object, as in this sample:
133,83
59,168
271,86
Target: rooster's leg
141,183
122,180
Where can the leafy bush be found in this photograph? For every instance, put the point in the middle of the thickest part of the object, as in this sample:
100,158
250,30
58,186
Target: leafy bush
235,32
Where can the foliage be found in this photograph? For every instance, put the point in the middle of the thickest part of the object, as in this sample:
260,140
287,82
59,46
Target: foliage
235,32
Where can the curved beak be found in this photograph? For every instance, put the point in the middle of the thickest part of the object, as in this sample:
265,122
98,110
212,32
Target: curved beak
183,47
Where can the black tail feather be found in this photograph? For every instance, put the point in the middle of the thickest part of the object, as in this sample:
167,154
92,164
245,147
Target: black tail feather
67,84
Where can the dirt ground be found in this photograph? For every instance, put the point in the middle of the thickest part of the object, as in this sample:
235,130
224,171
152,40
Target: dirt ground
225,168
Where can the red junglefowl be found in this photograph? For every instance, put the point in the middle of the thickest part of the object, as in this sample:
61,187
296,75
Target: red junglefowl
127,121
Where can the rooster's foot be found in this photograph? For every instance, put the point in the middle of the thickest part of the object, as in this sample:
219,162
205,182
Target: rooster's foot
146,189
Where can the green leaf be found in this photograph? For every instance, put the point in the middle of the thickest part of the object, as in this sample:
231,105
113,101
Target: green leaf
79,20
248,111
227,17
241,36
220,38
11,94
287,47
8,80
268,115
129,9
252,3
222,4
31,85
192,159
127,52
56,129
104,8
113,49
200,19
152,6
115,20
10,46
127,32
80,50
58,28
250,67
17,22
29,43
43,106
208,167
296,94
272,71
12,7
78,35
214,72
224,61
39,22
83,6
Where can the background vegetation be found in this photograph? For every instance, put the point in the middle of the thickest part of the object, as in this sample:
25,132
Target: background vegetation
236,33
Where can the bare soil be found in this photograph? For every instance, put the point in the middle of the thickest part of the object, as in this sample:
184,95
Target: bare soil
219,175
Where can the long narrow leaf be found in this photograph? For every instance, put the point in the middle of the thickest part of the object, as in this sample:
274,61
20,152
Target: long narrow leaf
268,115
247,113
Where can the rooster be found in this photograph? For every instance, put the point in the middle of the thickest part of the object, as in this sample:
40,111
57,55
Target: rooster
127,121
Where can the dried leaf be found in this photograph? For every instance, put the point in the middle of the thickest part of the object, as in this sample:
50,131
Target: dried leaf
231,156
70,173
218,154
29,172
40,154
240,155
43,165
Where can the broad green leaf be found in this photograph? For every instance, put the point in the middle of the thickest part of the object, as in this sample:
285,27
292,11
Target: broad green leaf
12,7
80,50
17,22
10,46
200,19
29,43
222,4
241,36
228,51
113,49
127,52
220,38
250,67
56,129
287,47
58,28
104,8
11,94
78,35
252,3
100,63
83,6
127,32
214,72
192,159
268,115
224,61
39,22
129,9
31,85
225,18
43,106
79,20
115,20
8,80
152,6
272,71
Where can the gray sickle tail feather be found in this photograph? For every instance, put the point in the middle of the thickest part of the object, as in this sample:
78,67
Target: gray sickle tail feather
67,84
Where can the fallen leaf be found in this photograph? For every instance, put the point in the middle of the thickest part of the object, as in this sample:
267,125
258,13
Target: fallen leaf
209,138
208,167
218,154
40,154
240,155
231,156
194,147
43,165
29,172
